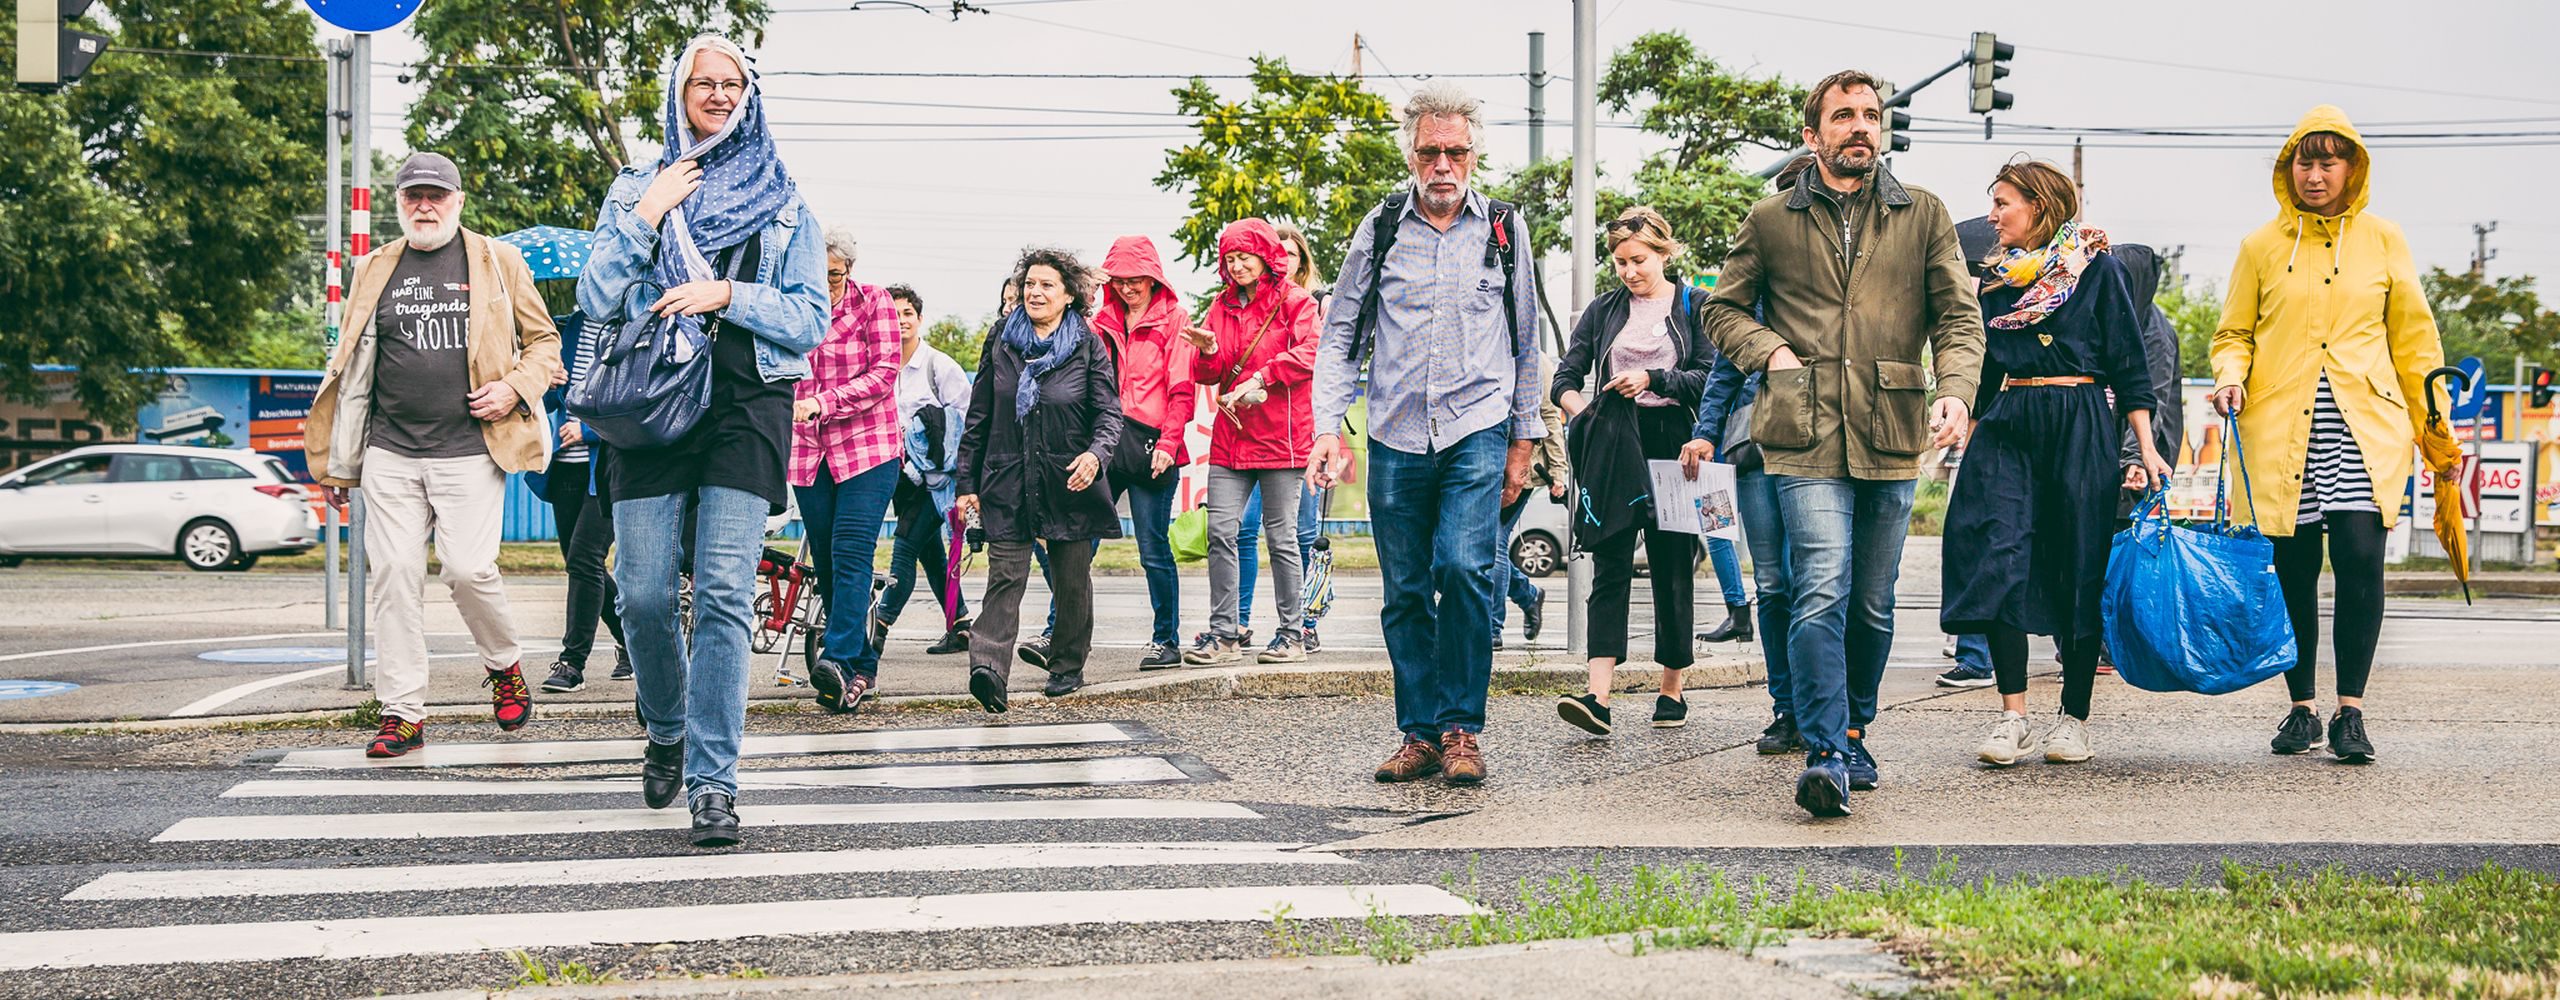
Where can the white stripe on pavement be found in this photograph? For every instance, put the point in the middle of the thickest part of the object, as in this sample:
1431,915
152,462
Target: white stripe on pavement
221,882
422,825
588,751
1009,774
236,692
382,937
208,640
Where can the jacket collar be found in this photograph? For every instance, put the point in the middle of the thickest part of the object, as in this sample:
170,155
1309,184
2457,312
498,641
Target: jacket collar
1885,186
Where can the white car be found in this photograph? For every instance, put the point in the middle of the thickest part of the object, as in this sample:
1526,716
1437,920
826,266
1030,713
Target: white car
212,508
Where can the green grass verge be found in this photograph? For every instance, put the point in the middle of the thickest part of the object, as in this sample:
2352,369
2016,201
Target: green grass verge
2236,932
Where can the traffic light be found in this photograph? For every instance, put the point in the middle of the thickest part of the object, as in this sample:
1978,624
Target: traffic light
51,55
1897,122
1990,63
2541,385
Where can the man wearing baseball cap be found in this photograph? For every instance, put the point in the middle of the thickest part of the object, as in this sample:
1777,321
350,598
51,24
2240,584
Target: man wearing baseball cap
430,401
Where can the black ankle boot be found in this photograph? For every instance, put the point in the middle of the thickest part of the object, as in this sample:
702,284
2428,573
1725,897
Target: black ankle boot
715,820
662,773
1736,627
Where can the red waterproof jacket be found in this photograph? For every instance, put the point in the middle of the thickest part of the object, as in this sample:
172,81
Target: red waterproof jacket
1154,361
1274,338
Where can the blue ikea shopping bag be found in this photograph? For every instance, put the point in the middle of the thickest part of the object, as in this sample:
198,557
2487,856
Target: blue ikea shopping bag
2196,608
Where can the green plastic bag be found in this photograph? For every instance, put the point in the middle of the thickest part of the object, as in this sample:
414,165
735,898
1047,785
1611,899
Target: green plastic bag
1190,535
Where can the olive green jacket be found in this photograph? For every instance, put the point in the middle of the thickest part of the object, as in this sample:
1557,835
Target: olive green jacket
1859,408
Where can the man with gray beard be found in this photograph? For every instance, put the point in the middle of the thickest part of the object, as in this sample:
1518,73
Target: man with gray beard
428,404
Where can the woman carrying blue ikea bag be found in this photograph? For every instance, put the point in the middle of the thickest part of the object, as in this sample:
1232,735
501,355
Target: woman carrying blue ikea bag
2196,608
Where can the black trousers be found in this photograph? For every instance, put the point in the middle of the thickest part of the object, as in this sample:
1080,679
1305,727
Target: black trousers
2354,554
2079,666
1672,559
585,535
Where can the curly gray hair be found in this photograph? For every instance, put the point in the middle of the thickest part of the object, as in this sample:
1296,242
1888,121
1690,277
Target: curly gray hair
840,243
1442,99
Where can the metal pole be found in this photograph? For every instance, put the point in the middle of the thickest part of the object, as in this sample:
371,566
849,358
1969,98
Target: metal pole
360,243
1586,77
355,592
332,128
1537,97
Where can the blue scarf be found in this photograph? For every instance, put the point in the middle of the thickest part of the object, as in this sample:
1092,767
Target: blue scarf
1039,356
743,184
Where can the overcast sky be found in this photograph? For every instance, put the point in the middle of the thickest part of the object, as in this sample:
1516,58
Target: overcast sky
946,208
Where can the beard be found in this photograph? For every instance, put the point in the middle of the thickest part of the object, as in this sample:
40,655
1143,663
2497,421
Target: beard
1850,161
431,236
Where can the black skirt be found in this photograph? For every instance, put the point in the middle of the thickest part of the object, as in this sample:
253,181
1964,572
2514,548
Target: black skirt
2032,515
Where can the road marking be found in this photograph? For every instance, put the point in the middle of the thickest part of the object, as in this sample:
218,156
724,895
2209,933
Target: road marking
589,751
219,882
426,825
1007,774
164,642
231,694
384,937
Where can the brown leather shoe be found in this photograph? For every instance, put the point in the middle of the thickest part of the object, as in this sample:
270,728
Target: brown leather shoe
1415,759
1460,761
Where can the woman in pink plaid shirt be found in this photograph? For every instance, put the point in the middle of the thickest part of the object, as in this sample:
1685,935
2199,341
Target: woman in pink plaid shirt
844,467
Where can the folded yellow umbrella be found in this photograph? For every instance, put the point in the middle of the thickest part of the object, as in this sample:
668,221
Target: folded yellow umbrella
2443,455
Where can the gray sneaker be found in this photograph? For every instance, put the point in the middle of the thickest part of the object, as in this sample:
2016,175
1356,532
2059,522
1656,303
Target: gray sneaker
2010,740
1285,648
2067,742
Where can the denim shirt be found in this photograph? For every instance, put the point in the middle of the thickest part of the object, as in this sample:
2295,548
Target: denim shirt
785,307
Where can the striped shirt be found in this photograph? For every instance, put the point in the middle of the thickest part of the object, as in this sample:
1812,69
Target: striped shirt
588,332
2333,473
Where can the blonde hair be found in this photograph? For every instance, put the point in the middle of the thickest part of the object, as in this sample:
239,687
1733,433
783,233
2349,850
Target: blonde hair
1644,225
2056,199
1304,276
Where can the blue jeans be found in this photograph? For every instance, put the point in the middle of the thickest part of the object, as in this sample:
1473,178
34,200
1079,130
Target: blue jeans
843,522
1435,515
699,696
1728,570
1756,494
1151,511
1844,550
1973,653
921,539
1508,582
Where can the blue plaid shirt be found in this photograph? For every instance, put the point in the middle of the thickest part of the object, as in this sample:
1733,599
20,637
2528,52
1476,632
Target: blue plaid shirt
1441,366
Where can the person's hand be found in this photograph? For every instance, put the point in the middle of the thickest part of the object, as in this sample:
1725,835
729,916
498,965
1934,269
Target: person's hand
334,497
1572,403
1784,359
1629,384
559,375
967,507
667,190
693,298
2153,469
2137,480
494,400
572,432
2227,399
1163,461
1555,490
1200,338
1692,454
1515,472
1948,422
805,410
1080,472
1328,461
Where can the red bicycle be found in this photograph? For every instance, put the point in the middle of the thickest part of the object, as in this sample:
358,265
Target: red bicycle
789,607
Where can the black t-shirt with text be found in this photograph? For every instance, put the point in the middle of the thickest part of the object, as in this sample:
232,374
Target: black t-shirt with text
421,371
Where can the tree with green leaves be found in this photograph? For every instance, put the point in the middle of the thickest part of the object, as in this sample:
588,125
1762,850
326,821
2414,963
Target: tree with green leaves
960,339
534,100
148,212
1316,152
2494,319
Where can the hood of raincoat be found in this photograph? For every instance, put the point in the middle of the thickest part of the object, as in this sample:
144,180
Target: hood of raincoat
1258,238
1154,362
1134,257
2325,118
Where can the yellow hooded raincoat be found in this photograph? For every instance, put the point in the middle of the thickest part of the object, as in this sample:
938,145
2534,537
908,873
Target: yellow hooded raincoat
2340,295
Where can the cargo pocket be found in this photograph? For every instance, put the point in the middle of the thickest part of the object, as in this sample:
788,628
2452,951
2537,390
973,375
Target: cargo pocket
1782,415
1898,415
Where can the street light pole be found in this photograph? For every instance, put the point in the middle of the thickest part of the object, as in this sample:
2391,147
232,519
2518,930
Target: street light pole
359,240
332,128
1586,76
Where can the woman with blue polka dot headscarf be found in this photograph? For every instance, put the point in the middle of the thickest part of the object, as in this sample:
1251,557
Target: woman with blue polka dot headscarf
715,238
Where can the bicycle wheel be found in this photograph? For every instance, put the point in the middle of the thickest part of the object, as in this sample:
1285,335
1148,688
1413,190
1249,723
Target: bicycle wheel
766,638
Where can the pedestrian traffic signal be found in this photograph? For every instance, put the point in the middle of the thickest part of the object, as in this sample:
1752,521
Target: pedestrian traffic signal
49,54
2541,385
1990,63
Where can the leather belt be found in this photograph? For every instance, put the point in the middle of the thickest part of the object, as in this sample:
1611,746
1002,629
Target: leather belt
2012,382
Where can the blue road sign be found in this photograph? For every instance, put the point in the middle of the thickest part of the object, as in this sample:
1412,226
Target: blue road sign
364,15
2468,403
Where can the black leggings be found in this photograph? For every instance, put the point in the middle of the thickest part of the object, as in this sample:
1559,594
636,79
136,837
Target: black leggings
2079,667
2355,557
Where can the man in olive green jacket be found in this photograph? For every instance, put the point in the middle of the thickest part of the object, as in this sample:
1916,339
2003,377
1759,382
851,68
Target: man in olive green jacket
1859,279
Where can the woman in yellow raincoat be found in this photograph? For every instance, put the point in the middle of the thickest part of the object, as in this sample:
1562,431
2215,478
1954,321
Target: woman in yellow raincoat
2322,350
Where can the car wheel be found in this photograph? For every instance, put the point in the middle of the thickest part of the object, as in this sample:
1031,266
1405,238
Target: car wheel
1535,553
242,564
208,546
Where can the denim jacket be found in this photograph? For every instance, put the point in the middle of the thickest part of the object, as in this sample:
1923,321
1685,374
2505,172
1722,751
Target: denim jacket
785,306
1728,389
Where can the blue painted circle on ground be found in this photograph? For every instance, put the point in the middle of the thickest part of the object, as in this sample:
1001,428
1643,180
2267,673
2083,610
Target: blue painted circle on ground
364,15
279,654
11,690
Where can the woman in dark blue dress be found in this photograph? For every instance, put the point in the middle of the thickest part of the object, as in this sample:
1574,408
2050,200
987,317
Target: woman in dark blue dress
2035,503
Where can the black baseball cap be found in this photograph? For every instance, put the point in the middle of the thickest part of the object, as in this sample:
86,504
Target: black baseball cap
427,170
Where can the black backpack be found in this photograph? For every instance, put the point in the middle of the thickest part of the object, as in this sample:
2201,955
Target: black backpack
1382,236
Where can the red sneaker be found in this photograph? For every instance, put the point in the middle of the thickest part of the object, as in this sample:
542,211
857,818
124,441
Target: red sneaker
510,701
397,736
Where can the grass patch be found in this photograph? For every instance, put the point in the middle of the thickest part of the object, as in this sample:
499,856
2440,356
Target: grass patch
531,972
2237,932
1929,507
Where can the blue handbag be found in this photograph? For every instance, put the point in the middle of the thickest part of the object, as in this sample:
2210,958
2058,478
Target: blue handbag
2196,608
636,394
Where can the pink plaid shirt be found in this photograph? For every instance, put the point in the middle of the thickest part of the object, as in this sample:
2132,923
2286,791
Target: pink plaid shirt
854,377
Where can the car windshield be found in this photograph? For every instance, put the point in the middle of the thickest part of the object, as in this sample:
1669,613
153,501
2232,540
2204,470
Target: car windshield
276,470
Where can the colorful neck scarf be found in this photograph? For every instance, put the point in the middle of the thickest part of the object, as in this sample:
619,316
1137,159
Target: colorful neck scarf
2048,273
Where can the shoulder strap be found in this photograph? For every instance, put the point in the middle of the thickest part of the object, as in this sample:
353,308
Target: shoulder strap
1382,238
1251,345
1498,245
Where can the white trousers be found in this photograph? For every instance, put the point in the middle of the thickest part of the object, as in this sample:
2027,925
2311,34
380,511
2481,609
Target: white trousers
462,503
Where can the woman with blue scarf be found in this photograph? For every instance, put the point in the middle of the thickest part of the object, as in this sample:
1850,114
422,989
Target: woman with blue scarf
1043,417
716,238
2028,526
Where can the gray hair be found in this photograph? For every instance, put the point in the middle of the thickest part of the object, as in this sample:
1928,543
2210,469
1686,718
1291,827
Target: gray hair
1441,99
840,243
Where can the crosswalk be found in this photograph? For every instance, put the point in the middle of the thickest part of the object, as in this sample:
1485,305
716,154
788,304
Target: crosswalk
327,836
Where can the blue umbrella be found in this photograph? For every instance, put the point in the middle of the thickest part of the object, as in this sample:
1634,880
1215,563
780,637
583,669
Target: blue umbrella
552,251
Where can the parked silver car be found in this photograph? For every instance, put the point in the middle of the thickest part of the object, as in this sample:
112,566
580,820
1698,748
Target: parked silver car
215,509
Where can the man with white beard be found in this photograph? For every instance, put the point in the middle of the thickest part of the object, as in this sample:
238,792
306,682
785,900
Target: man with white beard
427,406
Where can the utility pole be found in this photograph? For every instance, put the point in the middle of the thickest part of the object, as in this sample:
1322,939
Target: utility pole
1537,97
1586,79
1355,55
359,75
2177,270
2482,255
333,128
2078,186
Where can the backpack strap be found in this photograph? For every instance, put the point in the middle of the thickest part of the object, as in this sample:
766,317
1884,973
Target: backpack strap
1497,246
1382,238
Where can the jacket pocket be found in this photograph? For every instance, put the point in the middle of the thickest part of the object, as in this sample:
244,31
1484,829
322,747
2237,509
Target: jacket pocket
1782,416
1898,420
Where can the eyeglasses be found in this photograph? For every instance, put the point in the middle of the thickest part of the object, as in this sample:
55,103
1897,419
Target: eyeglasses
705,88
1456,154
423,194
835,274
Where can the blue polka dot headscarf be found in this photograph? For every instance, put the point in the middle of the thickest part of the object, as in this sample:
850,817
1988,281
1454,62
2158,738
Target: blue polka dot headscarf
743,183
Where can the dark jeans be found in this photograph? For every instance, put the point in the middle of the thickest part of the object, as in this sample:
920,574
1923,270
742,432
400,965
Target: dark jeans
1151,512
2355,557
1510,586
843,522
1756,497
1435,515
585,535
922,538
1844,551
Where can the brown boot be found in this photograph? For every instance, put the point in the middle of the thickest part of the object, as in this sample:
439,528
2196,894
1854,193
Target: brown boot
1415,759
1460,761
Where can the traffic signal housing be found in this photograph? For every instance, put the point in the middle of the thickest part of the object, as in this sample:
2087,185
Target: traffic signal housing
1897,122
52,55
2540,386
1990,64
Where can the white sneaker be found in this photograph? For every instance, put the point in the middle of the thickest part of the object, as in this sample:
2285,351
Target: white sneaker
2067,742
2010,740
